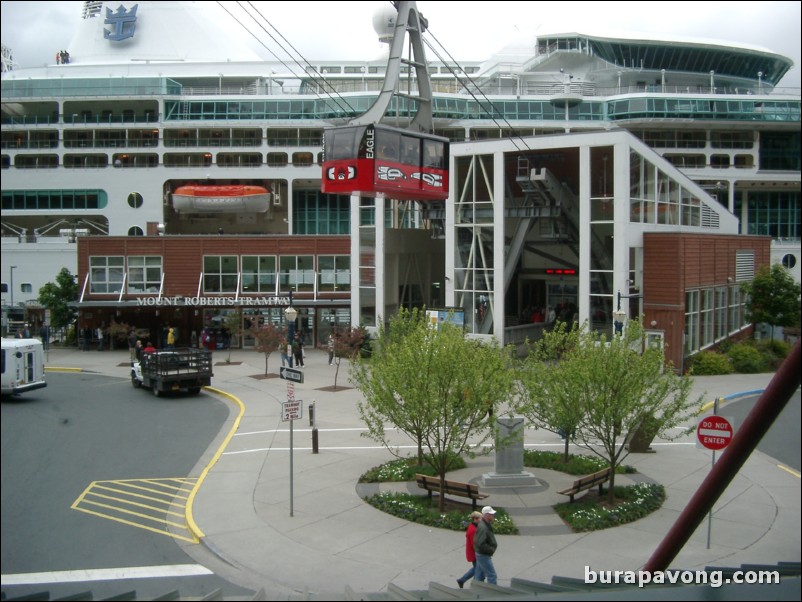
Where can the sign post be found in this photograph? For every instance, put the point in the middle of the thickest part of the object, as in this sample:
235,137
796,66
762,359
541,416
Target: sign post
291,410
714,433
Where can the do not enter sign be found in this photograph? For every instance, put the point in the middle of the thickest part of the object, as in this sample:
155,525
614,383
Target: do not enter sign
714,432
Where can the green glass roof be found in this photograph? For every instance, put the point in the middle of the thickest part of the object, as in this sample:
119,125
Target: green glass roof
689,57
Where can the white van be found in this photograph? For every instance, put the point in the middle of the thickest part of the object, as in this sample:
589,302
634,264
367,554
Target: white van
23,366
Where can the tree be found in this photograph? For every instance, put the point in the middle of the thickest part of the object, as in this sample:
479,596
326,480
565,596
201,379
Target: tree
348,342
56,296
267,339
619,384
233,324
547,403
773,297
433,385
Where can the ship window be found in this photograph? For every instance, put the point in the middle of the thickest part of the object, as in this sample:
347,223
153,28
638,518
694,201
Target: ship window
135,200
277,159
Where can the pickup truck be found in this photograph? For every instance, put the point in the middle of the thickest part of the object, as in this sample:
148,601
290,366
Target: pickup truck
173,370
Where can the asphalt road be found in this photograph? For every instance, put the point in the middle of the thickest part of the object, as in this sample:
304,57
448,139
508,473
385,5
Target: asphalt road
782,441
91,468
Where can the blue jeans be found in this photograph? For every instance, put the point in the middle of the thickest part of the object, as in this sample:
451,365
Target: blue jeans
468,574
485,569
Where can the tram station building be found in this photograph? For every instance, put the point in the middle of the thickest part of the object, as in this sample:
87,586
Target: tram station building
598,178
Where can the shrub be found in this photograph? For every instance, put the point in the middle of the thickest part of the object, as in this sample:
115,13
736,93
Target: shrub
709,362
405,469
576,465
746,359
637,501
587,514
420,509
773,352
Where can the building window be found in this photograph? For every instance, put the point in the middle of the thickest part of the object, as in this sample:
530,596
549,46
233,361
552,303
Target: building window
259,274
773,213
106,274
335,273
136,231
220,274
297,272
691,322
144,274
735,309
26,287
721,312
706,317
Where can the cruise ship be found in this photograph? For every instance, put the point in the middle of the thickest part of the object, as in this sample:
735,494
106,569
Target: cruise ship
184,188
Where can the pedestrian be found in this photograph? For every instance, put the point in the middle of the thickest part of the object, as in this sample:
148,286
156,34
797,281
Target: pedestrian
132,344
99,336
149,348
282,347
26,333
138,350
470,553
170,337
484,544
298,351
330,343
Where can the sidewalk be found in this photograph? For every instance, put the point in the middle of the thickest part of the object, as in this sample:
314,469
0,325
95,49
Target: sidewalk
322,537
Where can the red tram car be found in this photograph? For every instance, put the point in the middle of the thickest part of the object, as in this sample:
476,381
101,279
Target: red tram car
375,158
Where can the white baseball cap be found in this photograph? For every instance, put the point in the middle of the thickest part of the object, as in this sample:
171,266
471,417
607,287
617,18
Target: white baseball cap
488,510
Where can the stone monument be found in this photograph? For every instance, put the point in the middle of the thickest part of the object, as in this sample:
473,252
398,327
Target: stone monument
509,466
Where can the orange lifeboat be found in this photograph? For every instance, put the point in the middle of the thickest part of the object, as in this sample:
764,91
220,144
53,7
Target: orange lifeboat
210,198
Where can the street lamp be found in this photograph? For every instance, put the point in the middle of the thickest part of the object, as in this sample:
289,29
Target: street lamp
11,282
619,316
290,314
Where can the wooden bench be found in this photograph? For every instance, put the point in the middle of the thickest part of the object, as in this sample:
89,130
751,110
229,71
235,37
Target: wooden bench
589,482
469,490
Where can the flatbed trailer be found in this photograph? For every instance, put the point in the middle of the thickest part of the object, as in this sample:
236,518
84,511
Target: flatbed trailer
173,370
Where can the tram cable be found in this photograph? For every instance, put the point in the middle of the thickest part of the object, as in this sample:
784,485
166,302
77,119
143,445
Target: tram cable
342,103
493,109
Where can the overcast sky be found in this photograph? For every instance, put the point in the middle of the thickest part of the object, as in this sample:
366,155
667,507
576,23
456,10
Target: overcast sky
467,30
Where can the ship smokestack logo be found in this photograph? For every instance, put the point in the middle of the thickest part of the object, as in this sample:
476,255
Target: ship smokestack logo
124,22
